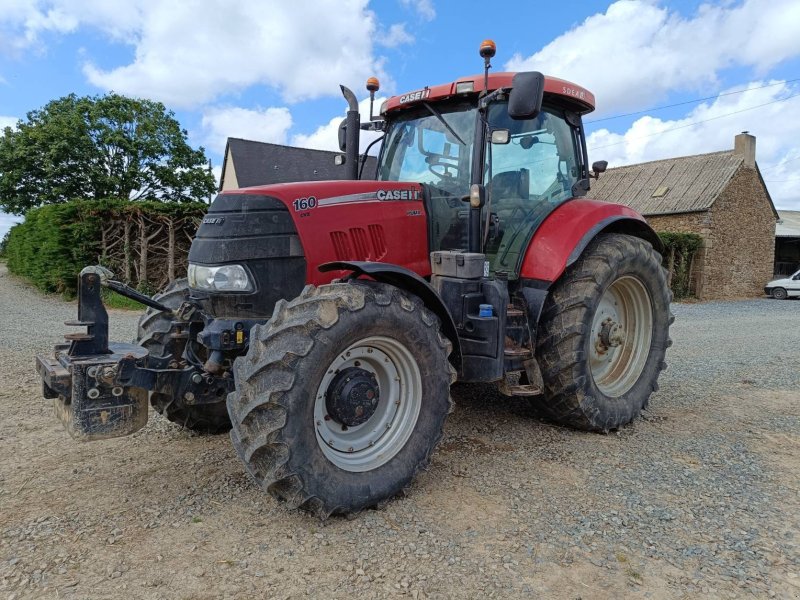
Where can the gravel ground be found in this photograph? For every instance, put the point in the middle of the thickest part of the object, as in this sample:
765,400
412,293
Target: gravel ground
700,498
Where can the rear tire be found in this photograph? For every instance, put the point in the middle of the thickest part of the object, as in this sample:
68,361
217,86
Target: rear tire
151,332
779,293
603,335
279,410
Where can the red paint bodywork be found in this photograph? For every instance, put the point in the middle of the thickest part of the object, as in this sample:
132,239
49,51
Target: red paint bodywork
580,99
559,234
400,225
403,224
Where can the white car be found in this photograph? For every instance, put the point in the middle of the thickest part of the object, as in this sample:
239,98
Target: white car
784,288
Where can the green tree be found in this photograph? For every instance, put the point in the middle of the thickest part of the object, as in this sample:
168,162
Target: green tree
99,147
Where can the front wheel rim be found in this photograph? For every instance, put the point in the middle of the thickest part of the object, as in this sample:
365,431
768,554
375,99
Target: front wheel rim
621,335
375,442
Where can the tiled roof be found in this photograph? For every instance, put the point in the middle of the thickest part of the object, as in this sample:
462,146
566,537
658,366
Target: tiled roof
673,185
259,163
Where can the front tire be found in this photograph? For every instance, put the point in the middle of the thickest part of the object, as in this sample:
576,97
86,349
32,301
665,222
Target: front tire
342,396
603,335
151,334
779,293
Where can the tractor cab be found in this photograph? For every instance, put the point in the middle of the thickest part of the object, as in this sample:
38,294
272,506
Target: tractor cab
526,162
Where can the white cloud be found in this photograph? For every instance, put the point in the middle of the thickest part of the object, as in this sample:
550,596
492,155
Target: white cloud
7,222
424,8
8,122
23,21
261,125
326,137
777,136
396,36
188,53
637,51
217,172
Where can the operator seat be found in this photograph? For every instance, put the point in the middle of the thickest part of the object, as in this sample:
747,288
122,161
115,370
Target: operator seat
509,190
510,185
509,193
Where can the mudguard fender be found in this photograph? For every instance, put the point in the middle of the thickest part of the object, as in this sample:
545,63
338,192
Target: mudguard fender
566,232
409,281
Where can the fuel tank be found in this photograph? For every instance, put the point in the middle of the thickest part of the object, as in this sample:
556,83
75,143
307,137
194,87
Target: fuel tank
281,233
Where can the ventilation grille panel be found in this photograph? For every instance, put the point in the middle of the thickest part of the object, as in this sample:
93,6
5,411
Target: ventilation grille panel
358,243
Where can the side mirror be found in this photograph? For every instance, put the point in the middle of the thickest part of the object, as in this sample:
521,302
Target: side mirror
599,167
527,91
501,136
343,135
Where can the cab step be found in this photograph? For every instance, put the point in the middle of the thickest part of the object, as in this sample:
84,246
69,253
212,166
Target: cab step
517,352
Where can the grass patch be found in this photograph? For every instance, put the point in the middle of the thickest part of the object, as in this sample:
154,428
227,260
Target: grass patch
633,574
114,300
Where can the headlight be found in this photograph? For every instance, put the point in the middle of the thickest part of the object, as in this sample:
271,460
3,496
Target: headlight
225,278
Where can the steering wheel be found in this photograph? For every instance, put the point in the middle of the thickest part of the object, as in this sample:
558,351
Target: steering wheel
441,169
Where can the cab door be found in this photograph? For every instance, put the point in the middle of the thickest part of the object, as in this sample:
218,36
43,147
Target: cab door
526,179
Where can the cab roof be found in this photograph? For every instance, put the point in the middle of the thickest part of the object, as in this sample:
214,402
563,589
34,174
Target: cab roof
577,98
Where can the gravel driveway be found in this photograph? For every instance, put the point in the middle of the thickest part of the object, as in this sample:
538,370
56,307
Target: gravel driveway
700,498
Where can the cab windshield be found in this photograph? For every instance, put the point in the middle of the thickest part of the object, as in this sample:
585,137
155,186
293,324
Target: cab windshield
424,147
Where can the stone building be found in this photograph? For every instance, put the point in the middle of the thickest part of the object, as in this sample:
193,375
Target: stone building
720,196
248,163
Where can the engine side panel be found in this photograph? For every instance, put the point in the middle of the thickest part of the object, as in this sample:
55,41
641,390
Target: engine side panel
356,221
565,232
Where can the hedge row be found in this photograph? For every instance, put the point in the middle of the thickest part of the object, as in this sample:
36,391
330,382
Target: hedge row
679,253
56,241
146,244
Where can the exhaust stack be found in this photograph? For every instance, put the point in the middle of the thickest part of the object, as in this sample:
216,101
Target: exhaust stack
352,126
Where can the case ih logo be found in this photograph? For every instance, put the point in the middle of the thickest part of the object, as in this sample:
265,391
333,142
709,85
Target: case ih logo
415,96
397,195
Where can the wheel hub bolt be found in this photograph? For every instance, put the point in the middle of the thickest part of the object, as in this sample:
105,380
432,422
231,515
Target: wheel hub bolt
611,335
352,397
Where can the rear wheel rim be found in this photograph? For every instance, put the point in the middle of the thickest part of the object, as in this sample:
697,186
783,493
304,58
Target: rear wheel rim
621,334
375,442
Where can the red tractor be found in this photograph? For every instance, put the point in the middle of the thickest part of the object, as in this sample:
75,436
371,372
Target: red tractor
324,322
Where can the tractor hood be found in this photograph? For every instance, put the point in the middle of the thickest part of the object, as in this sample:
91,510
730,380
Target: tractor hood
383,221
328,193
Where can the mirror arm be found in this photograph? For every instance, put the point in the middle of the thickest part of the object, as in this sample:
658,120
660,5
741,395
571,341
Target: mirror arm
489,98
374,125
366,155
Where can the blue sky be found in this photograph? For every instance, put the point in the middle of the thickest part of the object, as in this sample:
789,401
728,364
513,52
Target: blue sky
269,70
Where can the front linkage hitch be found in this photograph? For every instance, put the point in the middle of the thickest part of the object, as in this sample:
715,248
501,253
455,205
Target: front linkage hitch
100,389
